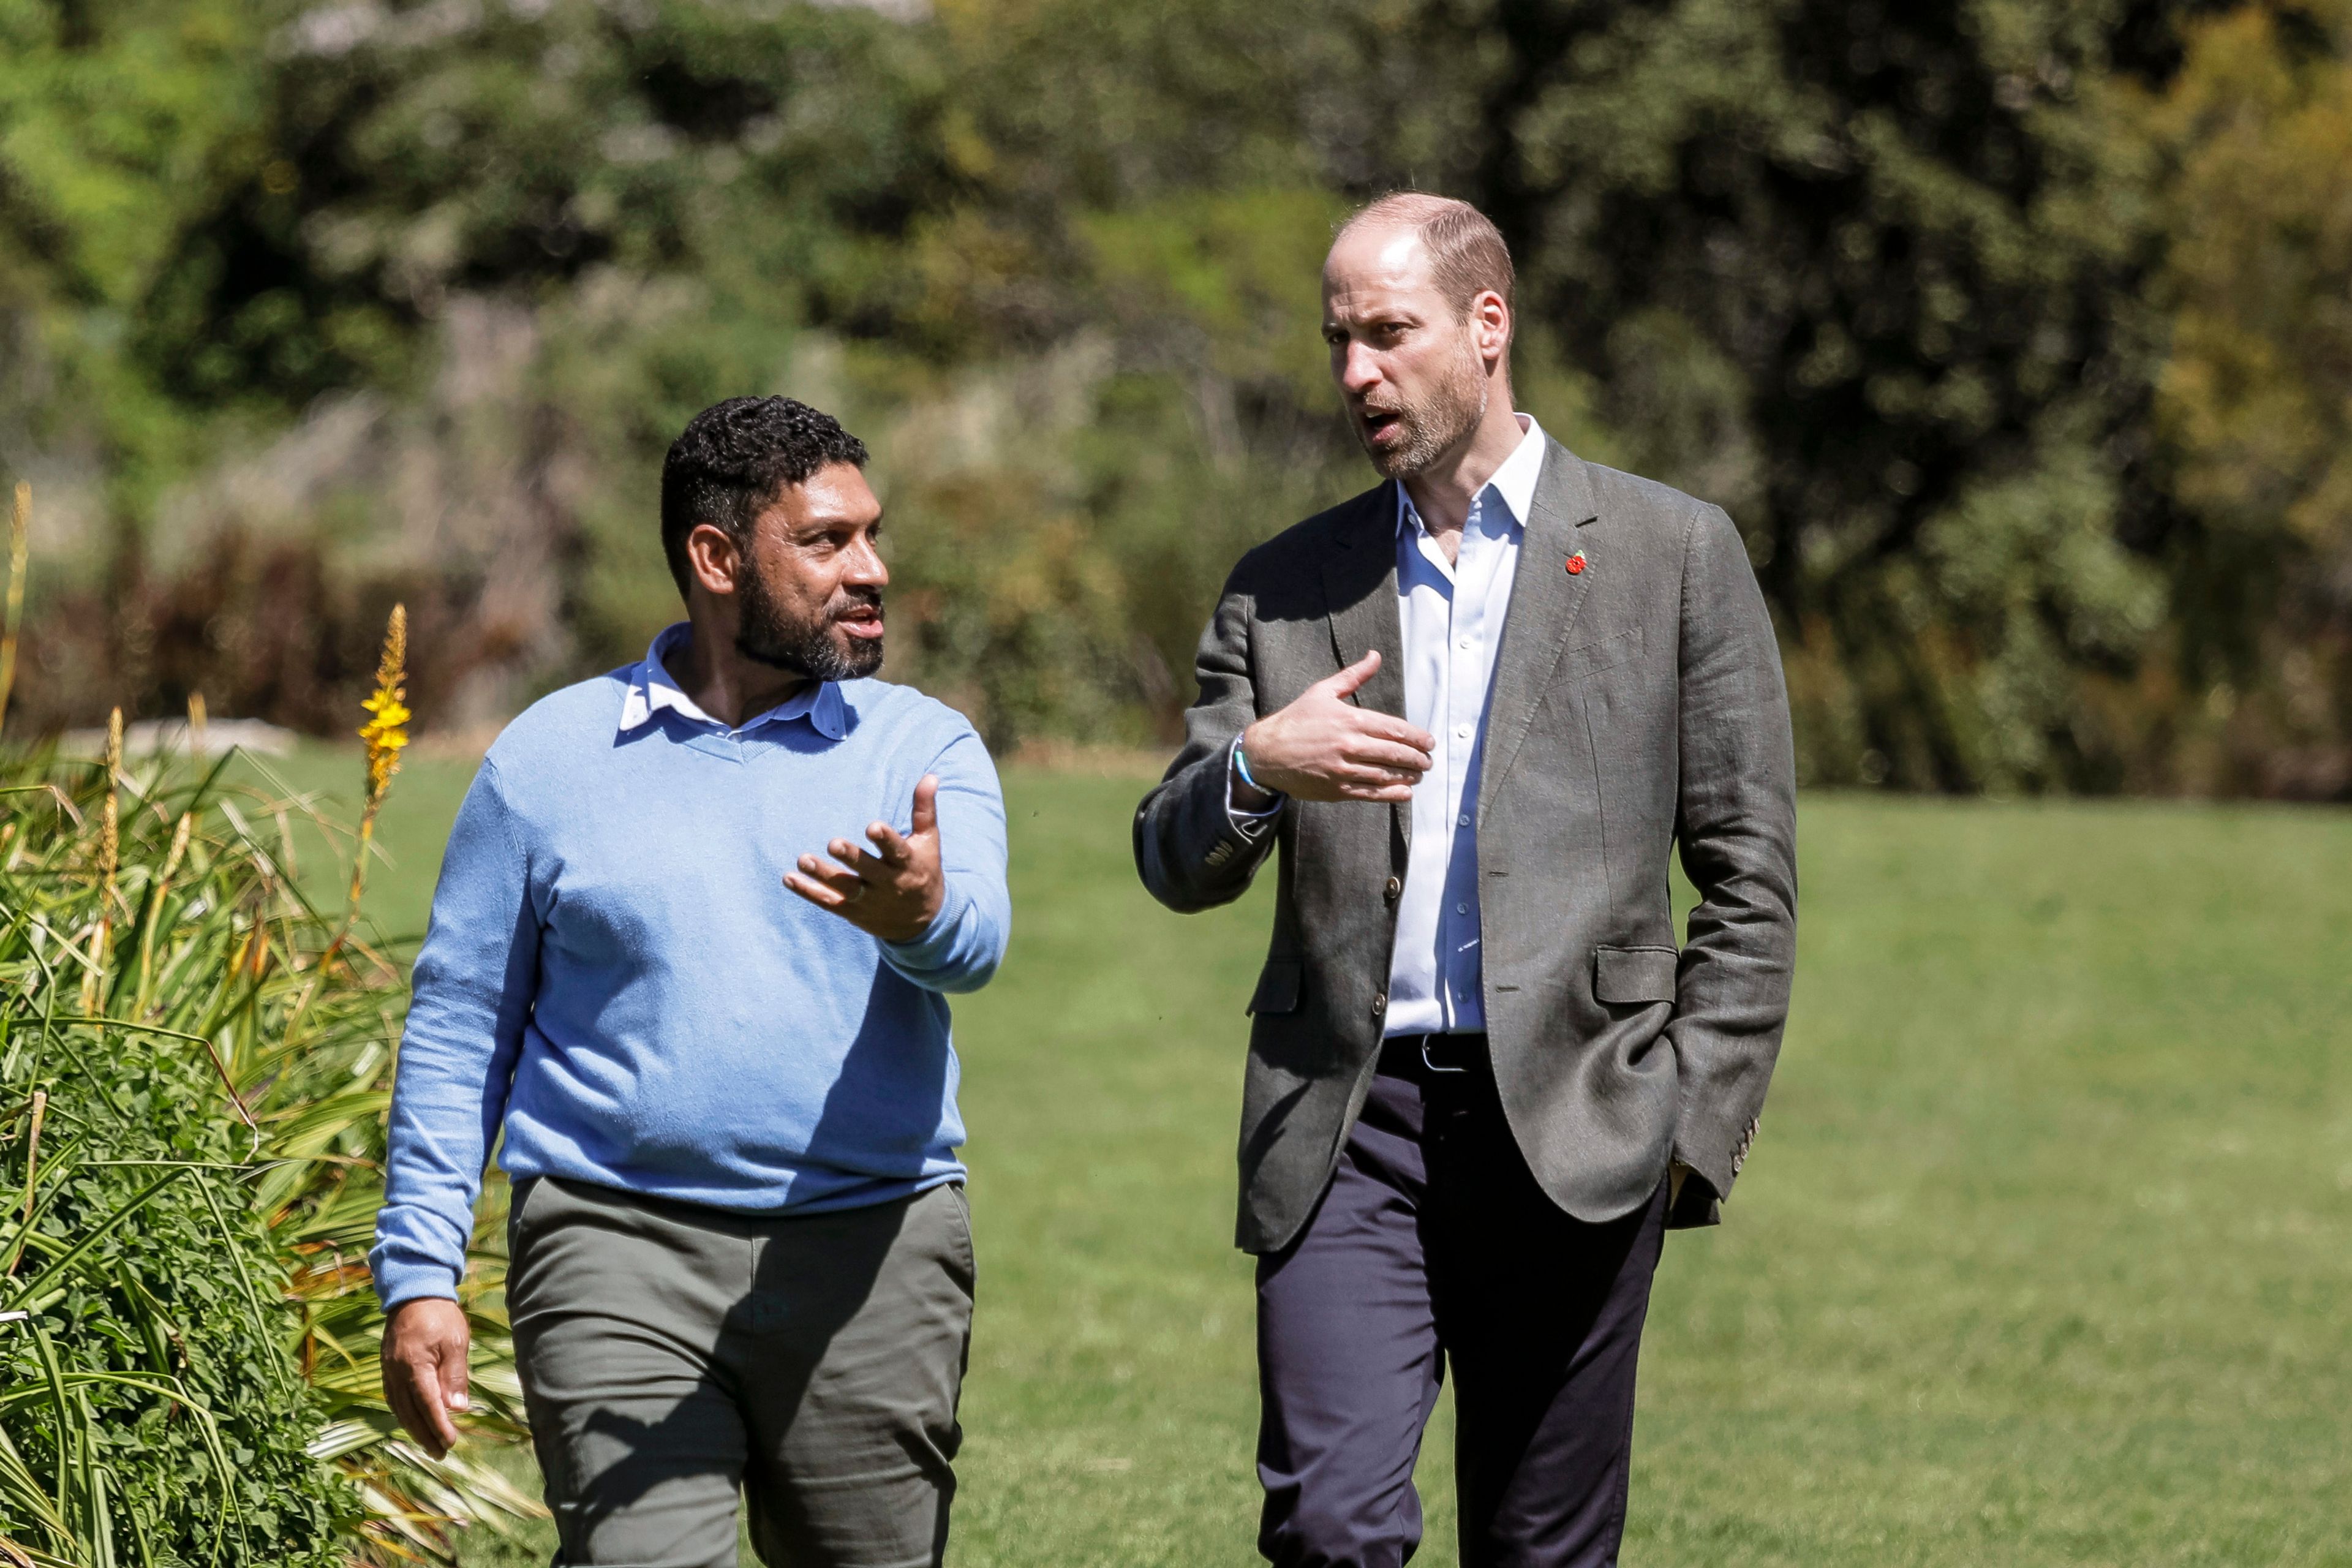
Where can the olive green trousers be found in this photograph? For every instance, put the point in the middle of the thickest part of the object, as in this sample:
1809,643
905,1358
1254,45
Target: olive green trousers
675,1356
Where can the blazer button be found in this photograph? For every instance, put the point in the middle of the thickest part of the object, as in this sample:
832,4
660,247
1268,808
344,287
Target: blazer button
1395,887
1380,1005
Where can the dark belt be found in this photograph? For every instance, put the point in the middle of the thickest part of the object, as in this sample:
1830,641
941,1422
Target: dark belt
1422,1055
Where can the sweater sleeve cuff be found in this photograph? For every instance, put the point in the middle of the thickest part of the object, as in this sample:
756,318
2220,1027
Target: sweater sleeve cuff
398,1280
931,952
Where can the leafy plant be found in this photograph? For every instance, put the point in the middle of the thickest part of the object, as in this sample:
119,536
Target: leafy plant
195,1068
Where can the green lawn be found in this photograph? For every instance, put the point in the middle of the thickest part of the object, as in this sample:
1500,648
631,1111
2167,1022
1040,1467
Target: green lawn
2041,1258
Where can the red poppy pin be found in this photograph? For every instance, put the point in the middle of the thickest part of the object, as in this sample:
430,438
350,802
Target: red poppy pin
1576,563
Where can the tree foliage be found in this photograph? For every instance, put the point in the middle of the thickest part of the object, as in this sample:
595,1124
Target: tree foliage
2005,329
2255,400
1861,272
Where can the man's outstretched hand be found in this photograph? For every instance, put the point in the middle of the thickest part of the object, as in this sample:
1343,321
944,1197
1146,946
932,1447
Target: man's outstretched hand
425,1345
894,893
1324,747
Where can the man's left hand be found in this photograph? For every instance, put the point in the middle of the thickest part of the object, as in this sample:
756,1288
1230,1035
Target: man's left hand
895,892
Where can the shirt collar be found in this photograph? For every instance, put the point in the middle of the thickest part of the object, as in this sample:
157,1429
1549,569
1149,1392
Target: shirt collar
652,689
1514,483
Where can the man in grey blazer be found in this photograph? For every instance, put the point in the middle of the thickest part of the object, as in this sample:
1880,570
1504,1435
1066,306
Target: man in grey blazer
1472,710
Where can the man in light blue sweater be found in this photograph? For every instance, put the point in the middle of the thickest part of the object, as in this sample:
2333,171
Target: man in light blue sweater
714,1031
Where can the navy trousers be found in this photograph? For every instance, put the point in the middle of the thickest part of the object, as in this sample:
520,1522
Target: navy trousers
1434,1245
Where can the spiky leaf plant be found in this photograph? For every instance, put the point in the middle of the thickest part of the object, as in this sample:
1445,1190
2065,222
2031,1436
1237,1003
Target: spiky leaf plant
194,1065
194,1378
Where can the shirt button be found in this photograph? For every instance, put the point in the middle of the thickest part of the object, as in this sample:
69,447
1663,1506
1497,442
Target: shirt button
1461,908
1464,643
1462,820
1462,732
1380,1003
1396,886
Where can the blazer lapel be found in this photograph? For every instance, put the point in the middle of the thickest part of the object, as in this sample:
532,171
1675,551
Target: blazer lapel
1360,589
1545,600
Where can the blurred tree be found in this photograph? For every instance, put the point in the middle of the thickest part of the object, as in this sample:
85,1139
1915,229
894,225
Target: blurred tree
2255,399
439,149
546,232
122,122
404,297
1862,273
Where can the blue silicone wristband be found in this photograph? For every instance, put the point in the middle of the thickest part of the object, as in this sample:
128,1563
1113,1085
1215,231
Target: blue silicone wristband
1241,766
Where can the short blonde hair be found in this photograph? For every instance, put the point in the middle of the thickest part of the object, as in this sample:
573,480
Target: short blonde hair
1466,248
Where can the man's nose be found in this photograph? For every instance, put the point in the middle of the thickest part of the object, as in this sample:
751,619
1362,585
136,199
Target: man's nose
865,567
1359,369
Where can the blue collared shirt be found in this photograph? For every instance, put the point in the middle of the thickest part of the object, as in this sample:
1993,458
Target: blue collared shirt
616,977
1452,615
653,689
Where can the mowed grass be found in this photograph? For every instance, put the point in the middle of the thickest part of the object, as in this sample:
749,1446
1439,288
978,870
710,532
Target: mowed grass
2042,1257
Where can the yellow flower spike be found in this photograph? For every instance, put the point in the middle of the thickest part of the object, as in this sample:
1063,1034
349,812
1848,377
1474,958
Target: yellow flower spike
384,734
386,731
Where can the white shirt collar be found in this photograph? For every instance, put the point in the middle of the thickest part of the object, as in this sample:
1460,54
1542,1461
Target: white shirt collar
1515,481
652,689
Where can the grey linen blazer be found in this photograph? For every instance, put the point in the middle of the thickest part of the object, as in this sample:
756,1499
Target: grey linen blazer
1635,705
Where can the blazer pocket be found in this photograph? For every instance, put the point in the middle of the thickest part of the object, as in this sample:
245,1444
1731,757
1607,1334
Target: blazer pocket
1602,653
1277,990
1633,974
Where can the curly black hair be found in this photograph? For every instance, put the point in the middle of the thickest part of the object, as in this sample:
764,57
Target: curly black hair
729,462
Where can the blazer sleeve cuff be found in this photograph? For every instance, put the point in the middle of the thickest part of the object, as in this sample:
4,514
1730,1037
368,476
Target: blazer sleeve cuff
1714,1154
1226,849
1696,1206
1251,825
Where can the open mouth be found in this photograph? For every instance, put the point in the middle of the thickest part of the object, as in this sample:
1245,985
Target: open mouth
864,622
1379,426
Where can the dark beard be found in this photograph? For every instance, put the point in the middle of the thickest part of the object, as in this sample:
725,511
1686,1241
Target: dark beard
1452,409
770,636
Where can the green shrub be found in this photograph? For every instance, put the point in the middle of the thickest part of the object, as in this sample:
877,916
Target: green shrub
194,1073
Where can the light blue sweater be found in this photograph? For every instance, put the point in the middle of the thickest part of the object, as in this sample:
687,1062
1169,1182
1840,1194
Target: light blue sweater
616,971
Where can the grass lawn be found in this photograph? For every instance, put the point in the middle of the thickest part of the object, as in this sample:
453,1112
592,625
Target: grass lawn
2041,1258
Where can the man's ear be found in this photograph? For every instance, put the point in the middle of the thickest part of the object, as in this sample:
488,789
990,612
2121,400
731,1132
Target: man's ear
712,558
1492,318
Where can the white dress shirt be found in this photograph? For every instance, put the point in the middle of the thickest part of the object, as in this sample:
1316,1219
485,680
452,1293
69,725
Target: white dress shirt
1452,615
